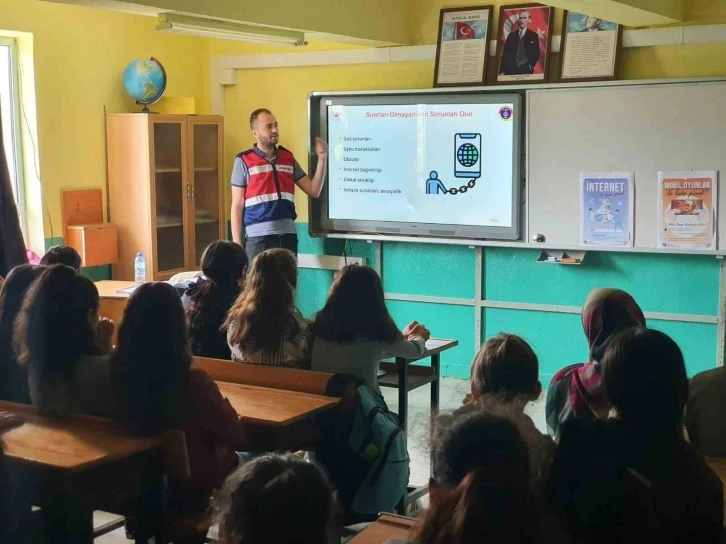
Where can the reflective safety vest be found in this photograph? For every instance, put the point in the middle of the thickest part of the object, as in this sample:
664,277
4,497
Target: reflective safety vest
269,195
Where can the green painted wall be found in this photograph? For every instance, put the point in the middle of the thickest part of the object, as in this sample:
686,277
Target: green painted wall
660,283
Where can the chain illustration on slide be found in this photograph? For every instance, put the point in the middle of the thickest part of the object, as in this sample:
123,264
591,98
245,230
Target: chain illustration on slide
467,165
434,186
463,188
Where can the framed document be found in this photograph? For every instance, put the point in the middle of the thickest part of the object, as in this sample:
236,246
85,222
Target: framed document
463,46
523,43
590,48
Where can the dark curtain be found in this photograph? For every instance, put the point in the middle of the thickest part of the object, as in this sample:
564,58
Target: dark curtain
12,245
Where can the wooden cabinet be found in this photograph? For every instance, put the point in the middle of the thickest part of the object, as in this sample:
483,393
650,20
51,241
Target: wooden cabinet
164,190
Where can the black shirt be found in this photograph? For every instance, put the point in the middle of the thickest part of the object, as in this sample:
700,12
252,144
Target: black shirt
611,484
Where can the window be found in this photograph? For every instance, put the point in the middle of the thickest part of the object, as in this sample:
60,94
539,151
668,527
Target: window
10,108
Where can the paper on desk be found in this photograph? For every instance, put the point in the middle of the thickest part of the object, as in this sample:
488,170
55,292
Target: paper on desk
127,290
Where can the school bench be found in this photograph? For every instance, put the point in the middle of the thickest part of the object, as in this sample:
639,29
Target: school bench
278,404
289,379
71,465
386,527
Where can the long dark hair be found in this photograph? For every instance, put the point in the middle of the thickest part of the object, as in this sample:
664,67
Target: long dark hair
152,358
276,499
356,309
14,386
645,380
481,483
266,306
224,265
56,325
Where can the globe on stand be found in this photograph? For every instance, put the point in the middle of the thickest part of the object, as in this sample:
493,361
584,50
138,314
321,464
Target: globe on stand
145,81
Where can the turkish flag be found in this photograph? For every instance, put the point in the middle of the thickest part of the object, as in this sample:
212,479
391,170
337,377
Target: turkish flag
464,32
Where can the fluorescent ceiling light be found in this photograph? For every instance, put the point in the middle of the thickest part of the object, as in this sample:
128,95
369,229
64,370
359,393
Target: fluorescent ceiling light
193,26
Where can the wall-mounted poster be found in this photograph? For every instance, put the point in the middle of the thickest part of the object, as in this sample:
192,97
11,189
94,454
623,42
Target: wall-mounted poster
590,48
462,50
523,43
687,210
606,209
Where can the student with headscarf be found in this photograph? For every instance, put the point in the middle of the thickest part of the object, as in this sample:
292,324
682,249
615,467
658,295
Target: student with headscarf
576,391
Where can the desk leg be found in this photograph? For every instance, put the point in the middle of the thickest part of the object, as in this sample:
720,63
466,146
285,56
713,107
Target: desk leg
67,519
435,385
150,505
402,365
435,390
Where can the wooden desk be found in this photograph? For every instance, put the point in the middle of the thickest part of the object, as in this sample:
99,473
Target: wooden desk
72,465
67,445
278,420
405,377
112,303
386,527
274,407
400,375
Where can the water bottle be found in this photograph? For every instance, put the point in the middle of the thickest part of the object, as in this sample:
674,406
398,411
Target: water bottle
139,269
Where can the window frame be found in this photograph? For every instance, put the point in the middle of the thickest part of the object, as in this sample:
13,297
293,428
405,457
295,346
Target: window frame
16,128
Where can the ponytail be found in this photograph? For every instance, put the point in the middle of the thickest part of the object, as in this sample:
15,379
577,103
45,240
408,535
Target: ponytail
486,506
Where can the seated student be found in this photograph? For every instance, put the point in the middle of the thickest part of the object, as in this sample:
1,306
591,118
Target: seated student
264,326
14,377
224,265
354,330
158,389
576,391
64,344
480,488
504,378
276,499
633,478
706,406
62,255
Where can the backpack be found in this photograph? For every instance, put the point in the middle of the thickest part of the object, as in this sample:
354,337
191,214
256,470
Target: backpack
366,454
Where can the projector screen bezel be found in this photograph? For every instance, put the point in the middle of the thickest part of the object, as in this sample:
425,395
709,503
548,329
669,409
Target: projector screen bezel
398,228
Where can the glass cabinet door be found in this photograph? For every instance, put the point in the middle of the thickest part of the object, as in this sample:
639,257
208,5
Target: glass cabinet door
205,183
169,193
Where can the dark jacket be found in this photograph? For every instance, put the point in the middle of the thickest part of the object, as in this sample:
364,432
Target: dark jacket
609,483
705,412
509,55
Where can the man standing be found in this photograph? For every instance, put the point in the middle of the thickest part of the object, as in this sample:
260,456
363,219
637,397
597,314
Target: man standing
521,50
263,187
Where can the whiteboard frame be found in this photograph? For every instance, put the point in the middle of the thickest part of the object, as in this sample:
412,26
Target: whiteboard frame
478,302
377,238
526,242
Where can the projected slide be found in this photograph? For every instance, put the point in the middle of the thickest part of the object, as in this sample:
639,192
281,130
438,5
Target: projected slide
438,163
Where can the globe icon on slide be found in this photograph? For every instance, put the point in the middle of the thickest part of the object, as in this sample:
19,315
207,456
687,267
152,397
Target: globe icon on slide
145,81
467,155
